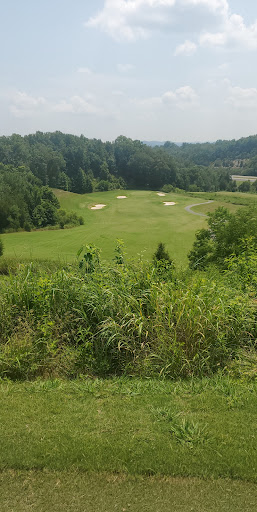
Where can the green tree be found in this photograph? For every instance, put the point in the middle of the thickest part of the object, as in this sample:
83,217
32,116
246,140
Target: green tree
224,237
245,186
161,253
82,183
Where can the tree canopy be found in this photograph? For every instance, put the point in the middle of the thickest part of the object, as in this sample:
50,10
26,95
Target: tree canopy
81,165
225,236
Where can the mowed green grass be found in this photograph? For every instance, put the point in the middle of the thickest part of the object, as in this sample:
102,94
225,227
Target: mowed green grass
72,491
230,200
134,427
105,445
141,220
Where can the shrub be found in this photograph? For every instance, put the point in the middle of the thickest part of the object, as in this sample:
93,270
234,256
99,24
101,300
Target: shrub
120,319
1,247
68,219
103,186
161,254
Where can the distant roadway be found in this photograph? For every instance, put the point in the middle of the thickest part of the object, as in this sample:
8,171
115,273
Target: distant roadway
188,208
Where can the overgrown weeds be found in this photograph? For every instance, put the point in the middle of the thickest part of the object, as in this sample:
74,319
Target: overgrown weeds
120,319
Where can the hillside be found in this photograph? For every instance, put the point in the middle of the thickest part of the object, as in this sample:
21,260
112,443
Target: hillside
81,165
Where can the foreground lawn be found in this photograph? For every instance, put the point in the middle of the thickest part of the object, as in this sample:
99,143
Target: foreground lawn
202,428
128,445
52,491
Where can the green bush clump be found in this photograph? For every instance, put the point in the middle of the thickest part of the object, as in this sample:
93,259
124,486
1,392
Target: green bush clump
68,219
120,319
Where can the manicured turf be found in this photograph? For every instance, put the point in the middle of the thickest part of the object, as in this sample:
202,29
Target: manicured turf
230,200
45,491
128,445
141,220
196,429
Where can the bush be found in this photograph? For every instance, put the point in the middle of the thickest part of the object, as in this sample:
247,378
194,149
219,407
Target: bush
225,237
103,186
120,319
68,219
1,247
161,253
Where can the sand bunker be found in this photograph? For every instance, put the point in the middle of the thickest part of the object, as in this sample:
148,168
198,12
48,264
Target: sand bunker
167,203
161,194
98,206
121,197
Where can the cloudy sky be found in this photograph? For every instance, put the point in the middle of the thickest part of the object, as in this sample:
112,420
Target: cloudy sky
180,70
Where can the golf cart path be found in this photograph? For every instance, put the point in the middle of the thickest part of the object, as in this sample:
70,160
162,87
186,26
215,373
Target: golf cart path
188,208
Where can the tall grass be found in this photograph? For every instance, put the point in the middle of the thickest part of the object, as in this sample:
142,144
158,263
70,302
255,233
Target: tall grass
135,319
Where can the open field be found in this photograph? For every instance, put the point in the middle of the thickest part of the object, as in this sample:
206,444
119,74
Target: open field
141,220
230,200
237,177
130,444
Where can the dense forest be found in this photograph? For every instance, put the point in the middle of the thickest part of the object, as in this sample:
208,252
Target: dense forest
240,153
80,165
26,204
31,164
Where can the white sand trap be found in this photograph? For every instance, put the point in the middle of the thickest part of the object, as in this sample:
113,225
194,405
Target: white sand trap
161,194
98,206
121,197
167,203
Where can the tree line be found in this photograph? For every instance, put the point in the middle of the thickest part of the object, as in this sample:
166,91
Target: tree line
222,153
81,165
26,204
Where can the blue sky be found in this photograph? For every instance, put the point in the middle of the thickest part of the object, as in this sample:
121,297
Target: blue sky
180,70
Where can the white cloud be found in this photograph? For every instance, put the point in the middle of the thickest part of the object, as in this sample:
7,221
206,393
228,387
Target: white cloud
85,70
76,105
241,98
211,21
25,105
234,34
117,92
188,48
182,98
133,19
125,68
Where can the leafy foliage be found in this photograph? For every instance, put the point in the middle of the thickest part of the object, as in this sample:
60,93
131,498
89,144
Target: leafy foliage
24,202
68,219
128,319
82,165
161,253
225,237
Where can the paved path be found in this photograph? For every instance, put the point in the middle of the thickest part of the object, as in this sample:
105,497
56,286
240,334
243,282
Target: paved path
188,209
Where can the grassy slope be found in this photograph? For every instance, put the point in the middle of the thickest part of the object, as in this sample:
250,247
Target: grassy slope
108,445
123,426
231,200
141,221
